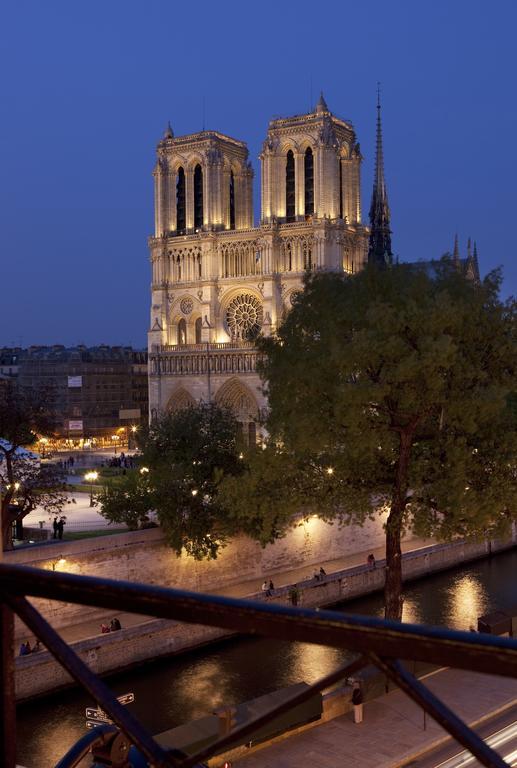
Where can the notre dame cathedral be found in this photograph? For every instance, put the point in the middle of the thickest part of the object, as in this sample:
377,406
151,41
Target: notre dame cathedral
218,280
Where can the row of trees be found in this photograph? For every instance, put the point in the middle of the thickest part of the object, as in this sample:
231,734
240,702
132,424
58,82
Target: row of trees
390,390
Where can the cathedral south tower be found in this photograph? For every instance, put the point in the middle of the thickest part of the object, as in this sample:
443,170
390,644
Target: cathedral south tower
218,281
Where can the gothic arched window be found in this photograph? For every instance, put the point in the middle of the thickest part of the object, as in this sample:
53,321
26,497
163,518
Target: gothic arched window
340,189
290,197
182,331
198,330
181,219
232,201
309,182
198,197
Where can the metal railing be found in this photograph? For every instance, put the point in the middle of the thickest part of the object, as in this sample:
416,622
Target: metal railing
376,642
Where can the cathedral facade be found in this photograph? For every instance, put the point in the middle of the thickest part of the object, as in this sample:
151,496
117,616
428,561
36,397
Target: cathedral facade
218,280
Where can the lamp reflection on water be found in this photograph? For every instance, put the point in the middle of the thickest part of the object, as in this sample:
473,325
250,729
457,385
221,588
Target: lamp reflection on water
467,600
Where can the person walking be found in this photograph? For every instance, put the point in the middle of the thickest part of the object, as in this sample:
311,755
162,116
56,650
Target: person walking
55,527
357,701
60,527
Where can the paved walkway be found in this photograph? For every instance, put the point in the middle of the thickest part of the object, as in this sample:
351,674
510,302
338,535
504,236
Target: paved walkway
91,628
393,730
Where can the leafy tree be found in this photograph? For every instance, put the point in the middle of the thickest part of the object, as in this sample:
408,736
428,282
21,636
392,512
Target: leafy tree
187,453
389,391
25,483
128,503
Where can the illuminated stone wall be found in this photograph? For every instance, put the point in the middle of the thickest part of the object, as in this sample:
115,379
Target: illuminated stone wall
143,556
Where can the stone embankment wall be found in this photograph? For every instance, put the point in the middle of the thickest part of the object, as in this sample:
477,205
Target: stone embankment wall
145,557
40,674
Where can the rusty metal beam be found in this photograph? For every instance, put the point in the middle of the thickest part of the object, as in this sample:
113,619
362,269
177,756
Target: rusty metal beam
444,716
7,689
128,724
362,634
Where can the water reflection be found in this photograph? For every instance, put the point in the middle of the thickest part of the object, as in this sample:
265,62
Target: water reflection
411,612
309,662
179,689
467,600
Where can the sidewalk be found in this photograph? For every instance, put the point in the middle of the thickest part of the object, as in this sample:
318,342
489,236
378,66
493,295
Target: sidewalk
393,730
91,628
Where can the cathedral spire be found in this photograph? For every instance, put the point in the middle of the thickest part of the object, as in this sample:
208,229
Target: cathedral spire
456,251
321,106
169,133
379,246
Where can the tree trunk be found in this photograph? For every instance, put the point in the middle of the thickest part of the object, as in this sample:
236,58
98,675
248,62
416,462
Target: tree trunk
7,529
393,579
393,599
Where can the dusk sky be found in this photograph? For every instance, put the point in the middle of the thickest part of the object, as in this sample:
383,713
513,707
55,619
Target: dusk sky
88,89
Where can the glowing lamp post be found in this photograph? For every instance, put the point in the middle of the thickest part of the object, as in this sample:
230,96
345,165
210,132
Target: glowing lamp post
91,477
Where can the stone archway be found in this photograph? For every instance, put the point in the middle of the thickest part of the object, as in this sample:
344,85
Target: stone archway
179,400
236,396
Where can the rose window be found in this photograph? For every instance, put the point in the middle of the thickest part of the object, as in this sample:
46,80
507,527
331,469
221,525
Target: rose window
244,317
186,306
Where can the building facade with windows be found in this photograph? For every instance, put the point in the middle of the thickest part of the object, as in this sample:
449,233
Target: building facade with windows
98,393
218,280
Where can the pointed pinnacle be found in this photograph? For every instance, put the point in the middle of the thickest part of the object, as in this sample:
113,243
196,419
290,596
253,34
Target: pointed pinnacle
321,106
469,248
456,251
169,133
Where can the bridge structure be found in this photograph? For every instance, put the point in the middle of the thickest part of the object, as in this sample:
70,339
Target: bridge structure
386,645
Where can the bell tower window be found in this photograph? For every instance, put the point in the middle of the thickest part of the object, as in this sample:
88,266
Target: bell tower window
309,182
182,332
198,197
340,189
290,197
232,201
198,330
181,220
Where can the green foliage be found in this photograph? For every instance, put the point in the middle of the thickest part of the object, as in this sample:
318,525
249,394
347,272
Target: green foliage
129,501
399,383
188,453
360,361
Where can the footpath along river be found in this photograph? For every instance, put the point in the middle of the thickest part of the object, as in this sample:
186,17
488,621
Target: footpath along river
175,690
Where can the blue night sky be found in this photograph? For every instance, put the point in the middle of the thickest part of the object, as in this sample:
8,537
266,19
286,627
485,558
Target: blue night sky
88,88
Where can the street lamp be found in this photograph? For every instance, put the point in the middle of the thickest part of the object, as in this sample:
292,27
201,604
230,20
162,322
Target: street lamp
144,470
91,477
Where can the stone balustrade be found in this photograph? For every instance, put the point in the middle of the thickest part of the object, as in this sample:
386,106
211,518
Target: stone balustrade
199,359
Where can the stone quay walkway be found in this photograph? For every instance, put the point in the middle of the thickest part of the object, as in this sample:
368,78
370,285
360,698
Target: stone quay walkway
394,731
91,628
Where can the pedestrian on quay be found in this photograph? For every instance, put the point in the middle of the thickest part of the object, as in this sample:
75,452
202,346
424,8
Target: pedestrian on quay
371,560
60,527
323,572
264,586
105,629
115,625
55,526
271,585
357,701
